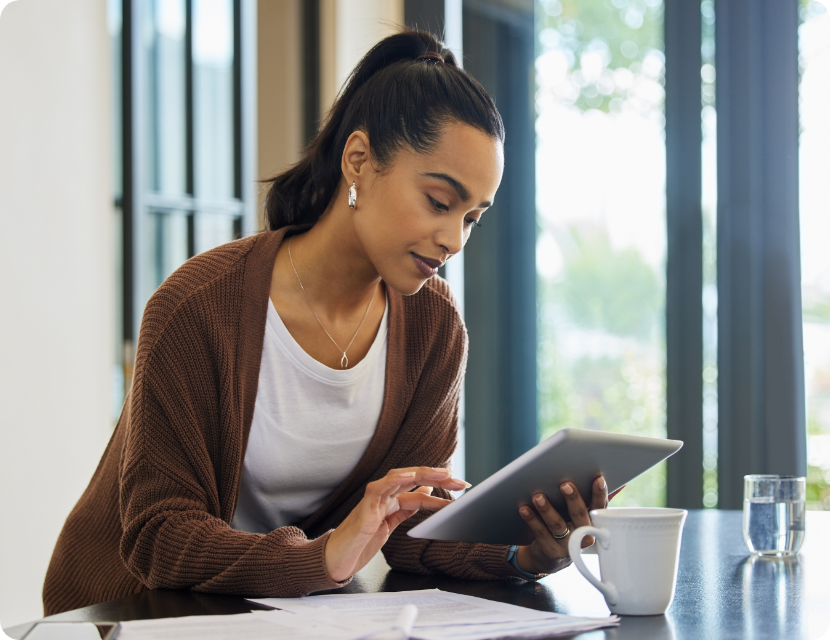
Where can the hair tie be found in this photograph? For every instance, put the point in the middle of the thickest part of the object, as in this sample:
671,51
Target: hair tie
430,55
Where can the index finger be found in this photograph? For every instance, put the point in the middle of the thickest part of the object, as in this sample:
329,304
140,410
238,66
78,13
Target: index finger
399,481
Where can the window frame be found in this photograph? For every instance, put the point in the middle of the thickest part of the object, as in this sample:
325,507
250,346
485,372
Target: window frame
135,202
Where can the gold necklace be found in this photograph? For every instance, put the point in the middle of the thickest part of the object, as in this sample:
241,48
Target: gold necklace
344,361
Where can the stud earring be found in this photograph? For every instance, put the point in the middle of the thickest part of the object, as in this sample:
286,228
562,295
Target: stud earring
352,196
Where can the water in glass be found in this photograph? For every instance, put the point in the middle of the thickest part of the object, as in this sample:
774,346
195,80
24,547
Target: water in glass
773,527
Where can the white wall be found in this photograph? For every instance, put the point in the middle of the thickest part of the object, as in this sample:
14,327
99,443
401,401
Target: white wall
348,29
56,278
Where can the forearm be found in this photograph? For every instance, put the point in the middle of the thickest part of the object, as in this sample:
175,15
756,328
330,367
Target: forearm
457,559
172,540
196,551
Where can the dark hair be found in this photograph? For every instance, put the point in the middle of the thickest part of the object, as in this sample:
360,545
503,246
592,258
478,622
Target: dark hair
398,102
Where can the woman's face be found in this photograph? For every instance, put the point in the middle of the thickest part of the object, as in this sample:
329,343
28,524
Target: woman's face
421,210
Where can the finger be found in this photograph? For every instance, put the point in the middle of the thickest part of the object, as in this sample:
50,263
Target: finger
577,510
599,499
404,513
613,493
456,485
425,473
551,517
414,500
399,516
438,477
540,530
400,480
451,484
393,480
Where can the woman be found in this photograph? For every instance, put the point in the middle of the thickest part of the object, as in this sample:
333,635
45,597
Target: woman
295,398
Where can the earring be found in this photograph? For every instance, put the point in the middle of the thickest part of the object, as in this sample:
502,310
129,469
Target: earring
352,196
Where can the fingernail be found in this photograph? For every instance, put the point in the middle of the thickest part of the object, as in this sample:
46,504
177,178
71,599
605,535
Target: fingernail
525,512
601,483
567,489
410,474
539,500
467,485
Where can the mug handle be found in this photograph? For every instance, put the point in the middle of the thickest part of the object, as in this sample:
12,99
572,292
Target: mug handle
607,589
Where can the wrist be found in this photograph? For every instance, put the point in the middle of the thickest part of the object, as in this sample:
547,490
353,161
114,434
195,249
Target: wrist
524,562
332,558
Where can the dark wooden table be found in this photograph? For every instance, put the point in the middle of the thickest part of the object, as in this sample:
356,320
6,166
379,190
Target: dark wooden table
722,592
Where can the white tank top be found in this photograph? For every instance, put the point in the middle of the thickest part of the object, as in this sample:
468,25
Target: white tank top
310,428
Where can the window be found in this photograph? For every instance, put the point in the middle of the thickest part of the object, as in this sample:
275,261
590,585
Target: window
814,167
191,189
185,184
601,216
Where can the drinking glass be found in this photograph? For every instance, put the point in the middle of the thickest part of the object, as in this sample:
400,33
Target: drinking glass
774,510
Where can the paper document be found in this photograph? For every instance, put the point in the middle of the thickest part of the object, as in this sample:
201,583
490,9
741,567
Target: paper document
435,607
437,615
445,616
261,625
560,625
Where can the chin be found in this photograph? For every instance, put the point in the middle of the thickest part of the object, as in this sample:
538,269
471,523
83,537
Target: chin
407,286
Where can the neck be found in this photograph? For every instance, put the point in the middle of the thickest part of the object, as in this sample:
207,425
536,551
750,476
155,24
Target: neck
338,276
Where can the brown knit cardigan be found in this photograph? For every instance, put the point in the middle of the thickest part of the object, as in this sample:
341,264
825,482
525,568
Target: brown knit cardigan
157,510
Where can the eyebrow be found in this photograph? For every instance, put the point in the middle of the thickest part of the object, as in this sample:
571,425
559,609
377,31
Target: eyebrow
460,189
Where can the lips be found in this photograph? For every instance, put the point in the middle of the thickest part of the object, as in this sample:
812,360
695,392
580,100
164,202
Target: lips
427,266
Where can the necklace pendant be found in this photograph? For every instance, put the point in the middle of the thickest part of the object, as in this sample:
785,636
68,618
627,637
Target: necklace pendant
344,361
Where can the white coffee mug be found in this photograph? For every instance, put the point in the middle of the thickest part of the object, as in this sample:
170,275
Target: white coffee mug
639,549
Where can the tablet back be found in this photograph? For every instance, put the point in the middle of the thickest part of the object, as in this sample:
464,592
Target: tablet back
489,512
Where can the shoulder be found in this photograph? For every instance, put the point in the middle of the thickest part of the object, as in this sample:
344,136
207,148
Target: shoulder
434,322
209,281
436,304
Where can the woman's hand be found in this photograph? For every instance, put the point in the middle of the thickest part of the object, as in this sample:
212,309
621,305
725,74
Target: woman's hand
386,503
547,553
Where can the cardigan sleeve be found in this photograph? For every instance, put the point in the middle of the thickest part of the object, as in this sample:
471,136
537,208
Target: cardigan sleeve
173,535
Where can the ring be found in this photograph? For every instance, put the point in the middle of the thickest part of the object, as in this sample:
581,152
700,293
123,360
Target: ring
562,535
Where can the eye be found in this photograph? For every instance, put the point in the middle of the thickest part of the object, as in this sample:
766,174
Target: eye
438,206
469,222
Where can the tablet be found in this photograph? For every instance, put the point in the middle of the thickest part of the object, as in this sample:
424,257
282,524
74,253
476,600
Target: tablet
489,512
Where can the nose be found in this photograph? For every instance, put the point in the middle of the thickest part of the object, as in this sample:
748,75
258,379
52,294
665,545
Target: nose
452,237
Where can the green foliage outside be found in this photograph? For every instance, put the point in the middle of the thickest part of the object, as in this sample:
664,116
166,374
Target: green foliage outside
613,297
613,50
818,479
616,35
815,310
608,291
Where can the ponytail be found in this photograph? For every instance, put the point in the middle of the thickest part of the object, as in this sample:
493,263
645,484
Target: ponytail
400,94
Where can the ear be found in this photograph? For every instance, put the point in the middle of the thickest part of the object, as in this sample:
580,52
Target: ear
356,154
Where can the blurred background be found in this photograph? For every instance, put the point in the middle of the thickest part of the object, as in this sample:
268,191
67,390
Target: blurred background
133,133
